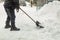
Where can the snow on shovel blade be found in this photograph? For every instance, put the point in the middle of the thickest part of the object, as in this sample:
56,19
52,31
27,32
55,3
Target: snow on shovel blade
38,24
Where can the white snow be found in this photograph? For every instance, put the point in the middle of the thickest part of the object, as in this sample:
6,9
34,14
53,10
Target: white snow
48,15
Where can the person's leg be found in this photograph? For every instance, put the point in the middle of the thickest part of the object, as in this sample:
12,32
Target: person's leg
8,19
8,22
12,18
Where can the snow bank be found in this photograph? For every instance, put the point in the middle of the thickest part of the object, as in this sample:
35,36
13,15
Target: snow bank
50,12
49,15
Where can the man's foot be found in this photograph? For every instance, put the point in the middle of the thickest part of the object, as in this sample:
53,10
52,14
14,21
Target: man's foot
14,29
7,26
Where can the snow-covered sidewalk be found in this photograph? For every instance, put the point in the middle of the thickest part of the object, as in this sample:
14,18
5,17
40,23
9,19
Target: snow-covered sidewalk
48,15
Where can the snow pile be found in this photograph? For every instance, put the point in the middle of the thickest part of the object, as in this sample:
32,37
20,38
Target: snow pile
50,10
49,14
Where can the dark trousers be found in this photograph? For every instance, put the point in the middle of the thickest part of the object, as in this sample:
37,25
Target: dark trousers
10,16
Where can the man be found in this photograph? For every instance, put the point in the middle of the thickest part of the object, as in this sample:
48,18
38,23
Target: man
10,6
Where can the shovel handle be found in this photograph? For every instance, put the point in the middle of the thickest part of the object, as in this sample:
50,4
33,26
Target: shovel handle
28,15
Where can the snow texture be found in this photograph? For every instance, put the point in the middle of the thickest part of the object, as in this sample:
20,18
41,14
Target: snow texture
48,15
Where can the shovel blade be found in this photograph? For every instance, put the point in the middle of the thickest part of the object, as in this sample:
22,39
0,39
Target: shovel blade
38,24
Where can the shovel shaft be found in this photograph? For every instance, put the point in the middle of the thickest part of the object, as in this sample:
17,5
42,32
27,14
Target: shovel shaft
28,15
36,22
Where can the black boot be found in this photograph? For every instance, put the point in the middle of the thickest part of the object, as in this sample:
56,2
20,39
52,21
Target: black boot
13,28
7,26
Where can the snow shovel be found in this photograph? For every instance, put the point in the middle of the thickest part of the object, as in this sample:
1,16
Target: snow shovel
36,22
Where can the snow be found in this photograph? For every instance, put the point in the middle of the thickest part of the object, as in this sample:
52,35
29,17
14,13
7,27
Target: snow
48,15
